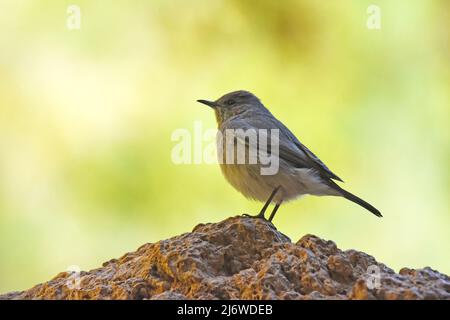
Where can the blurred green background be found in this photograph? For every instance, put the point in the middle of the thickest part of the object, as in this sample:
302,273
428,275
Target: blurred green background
86,118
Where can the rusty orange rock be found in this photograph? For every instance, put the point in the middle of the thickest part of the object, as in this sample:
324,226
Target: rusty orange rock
243,258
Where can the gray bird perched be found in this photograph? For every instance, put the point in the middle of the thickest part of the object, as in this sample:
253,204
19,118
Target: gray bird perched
299,171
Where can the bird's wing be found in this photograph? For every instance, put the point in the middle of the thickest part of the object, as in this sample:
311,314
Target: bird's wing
313,159
318,163
290,148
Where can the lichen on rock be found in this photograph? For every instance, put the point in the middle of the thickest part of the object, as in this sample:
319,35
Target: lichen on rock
242,258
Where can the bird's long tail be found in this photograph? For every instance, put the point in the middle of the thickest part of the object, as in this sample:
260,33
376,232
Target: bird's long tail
349,196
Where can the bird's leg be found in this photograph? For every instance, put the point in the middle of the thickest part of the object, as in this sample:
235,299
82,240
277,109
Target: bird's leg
275,210
263,210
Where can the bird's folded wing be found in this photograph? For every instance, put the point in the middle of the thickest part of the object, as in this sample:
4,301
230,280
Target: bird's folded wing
290,148
317,162
313,160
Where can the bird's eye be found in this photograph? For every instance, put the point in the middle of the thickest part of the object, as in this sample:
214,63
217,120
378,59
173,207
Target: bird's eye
230,102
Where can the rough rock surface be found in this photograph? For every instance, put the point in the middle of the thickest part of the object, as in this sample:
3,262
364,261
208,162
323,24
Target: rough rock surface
242,258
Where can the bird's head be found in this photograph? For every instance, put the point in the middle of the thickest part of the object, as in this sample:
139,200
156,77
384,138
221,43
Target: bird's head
232,104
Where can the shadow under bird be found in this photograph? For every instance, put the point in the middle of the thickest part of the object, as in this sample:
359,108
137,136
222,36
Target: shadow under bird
299,171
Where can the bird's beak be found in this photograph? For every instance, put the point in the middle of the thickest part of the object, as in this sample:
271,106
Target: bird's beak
211,104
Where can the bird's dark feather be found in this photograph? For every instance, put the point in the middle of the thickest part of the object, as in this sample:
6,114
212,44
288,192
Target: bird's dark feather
313,160
290,148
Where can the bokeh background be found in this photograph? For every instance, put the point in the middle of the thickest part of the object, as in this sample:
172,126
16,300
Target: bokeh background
86,118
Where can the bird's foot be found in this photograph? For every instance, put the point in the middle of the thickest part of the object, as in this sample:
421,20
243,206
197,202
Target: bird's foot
258,216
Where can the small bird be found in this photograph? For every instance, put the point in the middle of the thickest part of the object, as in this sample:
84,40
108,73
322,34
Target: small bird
300,172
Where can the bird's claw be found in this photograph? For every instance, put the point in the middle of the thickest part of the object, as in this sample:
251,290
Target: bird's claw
258,216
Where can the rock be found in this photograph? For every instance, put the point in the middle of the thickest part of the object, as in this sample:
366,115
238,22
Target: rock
242,258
